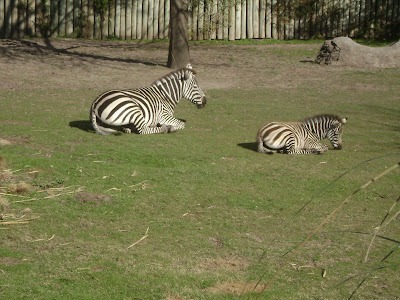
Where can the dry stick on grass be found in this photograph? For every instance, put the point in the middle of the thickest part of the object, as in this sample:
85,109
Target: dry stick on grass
381,226
314,196
141,239
285,261
25,221
49,197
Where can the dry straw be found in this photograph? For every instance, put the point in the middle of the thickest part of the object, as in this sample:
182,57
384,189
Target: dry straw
318,228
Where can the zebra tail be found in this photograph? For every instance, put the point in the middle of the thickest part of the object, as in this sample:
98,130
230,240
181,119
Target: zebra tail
100,129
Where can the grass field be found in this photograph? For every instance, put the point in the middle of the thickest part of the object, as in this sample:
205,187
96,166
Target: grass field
199,214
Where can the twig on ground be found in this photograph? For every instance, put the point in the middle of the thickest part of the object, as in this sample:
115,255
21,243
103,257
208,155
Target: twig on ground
141,239
381,226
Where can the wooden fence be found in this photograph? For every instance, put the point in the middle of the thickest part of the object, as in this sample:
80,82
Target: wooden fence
208,19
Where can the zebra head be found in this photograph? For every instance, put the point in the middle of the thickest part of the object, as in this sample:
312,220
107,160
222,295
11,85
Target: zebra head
335,131
191,89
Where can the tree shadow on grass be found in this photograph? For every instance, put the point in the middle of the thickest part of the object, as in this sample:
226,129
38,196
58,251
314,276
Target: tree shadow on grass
84,125
249,146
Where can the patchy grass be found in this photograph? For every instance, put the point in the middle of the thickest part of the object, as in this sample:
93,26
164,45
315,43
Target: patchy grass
199,214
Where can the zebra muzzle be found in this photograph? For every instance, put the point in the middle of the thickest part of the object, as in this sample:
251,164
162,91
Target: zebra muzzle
203,103
339,147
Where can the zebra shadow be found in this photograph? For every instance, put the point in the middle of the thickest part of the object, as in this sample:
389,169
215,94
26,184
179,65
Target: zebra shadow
84,125
249,146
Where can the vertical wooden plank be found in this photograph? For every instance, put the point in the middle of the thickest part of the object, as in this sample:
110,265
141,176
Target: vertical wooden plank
268,23
62,8
75,17
123,19
90,19
207,23
214,19
2,19
231,23
97,24
166,18
243,31
292,21
118,18
225,16
161,19
105,22
238,25
150,20
111,19
84,9
14,19
256,24
195,12
155,19
69,25
38,5
128,30
274,20
53,18
250,19
200,21
134,19
145,18
262,16
7,18
30,15
139,29
220,20
21,18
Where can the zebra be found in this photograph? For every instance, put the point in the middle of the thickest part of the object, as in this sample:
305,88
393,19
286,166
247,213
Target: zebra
301,137
148,109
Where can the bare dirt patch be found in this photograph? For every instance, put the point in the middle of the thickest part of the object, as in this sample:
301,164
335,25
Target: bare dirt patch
225,263
73,63
94,198
236,288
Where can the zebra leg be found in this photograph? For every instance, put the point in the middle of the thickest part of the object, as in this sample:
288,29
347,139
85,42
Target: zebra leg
151,130
170,120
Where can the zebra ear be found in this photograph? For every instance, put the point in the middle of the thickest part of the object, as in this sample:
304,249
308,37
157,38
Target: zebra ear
187,74
189,66
344,120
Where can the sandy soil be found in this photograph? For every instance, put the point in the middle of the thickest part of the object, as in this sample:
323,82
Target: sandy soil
72,63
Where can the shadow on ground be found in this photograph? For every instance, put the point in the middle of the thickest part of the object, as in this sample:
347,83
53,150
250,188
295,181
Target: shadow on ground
84,125
249,146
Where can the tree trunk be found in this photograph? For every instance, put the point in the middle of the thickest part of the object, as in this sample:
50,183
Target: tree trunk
178,56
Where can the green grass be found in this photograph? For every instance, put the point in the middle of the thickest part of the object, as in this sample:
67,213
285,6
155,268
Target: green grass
211,204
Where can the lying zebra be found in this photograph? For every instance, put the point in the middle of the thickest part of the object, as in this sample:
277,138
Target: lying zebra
149,109
301,137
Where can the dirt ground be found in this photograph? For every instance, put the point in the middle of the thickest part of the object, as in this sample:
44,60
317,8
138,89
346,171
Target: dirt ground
72,63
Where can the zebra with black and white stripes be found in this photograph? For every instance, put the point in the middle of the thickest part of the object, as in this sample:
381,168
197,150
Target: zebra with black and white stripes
301,137
149,109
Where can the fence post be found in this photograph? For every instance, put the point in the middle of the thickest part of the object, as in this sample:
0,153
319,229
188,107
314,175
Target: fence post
262,18
256,24
150,21
243,32
231,23
249,19
145,19
238,26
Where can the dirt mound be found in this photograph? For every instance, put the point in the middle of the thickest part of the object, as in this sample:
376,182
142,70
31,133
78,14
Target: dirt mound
344,51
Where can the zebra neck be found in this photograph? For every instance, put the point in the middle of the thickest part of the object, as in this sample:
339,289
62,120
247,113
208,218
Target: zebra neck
318,128
170,90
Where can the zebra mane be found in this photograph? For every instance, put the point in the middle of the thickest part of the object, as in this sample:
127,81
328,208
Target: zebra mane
324,117
172,74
